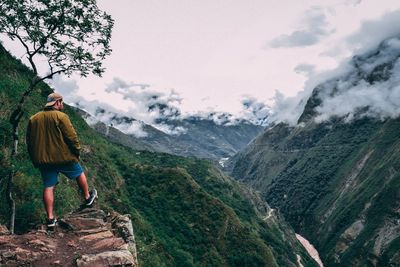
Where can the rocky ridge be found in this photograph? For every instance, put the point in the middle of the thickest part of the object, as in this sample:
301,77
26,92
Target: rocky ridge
89,237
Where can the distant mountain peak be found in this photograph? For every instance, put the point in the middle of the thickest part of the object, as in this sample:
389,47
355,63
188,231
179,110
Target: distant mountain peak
195,136
370,88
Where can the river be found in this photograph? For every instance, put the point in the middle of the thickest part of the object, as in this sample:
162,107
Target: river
310,249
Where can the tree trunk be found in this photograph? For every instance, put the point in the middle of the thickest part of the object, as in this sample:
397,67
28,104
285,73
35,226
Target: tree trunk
10,200
15,119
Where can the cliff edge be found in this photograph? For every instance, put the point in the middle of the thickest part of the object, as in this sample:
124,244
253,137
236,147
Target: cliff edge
89,237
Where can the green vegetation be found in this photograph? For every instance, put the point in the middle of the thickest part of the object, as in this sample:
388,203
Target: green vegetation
185,212
330,179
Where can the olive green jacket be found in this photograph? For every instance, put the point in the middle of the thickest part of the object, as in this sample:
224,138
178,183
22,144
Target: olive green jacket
51,139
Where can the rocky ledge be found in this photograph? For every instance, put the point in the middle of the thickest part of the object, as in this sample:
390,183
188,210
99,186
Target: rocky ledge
89,237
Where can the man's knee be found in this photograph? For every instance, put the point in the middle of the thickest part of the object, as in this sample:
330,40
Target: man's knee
81,177
49,189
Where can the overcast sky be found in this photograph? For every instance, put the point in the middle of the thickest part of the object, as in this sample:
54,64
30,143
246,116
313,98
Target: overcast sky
211,54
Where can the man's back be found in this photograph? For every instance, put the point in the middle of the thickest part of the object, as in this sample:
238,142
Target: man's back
54,148
51,138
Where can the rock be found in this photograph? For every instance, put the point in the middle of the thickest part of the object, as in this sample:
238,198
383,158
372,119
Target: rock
79,224
124,247
109,243
89,213
349,235
72,244
37,242
85,221
103,240
4,240
8,254
96,236
123,224
25,255
4,230
108,258
124,228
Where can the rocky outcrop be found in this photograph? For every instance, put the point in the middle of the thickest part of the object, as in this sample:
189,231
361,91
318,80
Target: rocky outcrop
4,230
89,237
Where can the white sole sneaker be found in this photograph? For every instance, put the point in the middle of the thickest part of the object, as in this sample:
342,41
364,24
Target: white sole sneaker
92,197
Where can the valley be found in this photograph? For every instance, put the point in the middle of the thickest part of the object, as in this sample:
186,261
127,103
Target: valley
336,180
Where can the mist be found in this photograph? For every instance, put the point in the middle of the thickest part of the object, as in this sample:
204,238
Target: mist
365,85
140,105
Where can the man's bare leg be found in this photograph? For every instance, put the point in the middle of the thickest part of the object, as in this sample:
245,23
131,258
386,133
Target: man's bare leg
82,183
48,200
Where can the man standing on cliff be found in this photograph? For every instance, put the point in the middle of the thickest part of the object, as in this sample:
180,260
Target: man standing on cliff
53,147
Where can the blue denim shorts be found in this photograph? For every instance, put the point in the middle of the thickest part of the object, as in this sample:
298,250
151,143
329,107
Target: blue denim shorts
50,173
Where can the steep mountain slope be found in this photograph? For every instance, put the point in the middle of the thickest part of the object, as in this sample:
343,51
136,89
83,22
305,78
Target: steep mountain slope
185,212
193,136
205,139
335,176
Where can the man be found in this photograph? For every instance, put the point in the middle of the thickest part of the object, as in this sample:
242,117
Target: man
53,147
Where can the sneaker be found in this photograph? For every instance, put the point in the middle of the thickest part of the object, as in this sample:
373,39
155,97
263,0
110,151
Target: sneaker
92,197
51,222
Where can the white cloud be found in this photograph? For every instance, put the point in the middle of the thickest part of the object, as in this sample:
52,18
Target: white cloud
110,118
306,69
368,36
169,129
64,87
288,109
297,38
148,106
118,83
366,86
353,2
359,94
313,27
135,128
255,111
354,98
372,32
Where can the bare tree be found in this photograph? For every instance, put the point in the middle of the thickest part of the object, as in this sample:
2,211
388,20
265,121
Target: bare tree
72,35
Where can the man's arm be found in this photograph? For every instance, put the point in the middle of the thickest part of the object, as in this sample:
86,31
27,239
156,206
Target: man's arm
69,133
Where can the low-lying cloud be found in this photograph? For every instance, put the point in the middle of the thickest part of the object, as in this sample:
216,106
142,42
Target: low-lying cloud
255,111
368,85
372,32
147,106
372,89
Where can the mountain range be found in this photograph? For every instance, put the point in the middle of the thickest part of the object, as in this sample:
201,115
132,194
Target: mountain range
194,136
334,175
